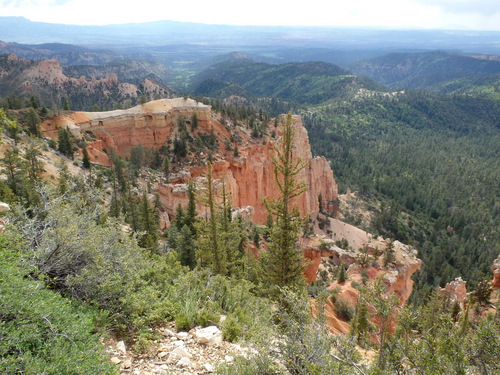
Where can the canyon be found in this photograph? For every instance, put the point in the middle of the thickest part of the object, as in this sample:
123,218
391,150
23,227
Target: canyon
249,177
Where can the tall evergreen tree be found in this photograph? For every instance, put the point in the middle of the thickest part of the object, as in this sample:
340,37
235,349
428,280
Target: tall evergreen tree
191,212
33,122
34,163
86,159
194,121
149,225
179,217
114,207
66,103
230,233
14,168
64,177
137,156
65,145
166,166
209,250
282,263
14,129
186,249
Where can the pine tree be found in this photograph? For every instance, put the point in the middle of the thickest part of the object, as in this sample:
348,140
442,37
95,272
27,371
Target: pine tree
34,102
389,255
149,225
179,217
114,207
14,129
65,145
131,209
342,277
64,177
34,163
220,237
282,263
14,168
360,325
209,250
230,233
33,122
137,156
194,121
86,159
156,161
186,248
191,212
383,306
66,103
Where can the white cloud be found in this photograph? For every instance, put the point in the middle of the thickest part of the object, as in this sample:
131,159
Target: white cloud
389,13
483,7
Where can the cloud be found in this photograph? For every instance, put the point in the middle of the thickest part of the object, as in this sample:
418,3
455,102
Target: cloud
465,14
483,7
32,3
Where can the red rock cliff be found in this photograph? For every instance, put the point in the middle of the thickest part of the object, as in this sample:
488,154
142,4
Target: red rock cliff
249,176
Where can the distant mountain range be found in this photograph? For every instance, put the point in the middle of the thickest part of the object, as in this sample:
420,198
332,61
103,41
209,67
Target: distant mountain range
432,71
21,30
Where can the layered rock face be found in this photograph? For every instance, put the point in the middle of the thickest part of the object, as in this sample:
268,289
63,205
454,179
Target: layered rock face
495,268
249,176
46,79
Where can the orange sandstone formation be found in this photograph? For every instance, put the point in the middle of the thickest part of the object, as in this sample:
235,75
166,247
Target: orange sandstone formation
249,176
496,273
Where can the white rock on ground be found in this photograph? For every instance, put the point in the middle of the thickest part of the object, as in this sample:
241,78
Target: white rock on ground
209,335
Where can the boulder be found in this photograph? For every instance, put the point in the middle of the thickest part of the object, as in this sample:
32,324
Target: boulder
209,336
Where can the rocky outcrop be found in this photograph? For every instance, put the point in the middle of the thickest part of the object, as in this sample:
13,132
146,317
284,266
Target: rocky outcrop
364,262
495,268
47,80
249,176
455,291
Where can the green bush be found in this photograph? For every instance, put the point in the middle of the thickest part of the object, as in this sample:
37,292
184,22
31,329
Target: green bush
199,298
182,322
343,310
96,261
231,329
207,317
41,332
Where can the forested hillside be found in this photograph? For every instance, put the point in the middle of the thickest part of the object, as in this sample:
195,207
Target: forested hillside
437,71
433,162
304,83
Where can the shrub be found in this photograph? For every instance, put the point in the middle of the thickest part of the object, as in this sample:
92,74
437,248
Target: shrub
41,332
231,328
96,261
343,310
182,321
207,317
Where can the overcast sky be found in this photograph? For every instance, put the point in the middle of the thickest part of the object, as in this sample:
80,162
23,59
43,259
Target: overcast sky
441,14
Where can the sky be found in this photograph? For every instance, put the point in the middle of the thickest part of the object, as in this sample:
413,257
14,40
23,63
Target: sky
426,14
